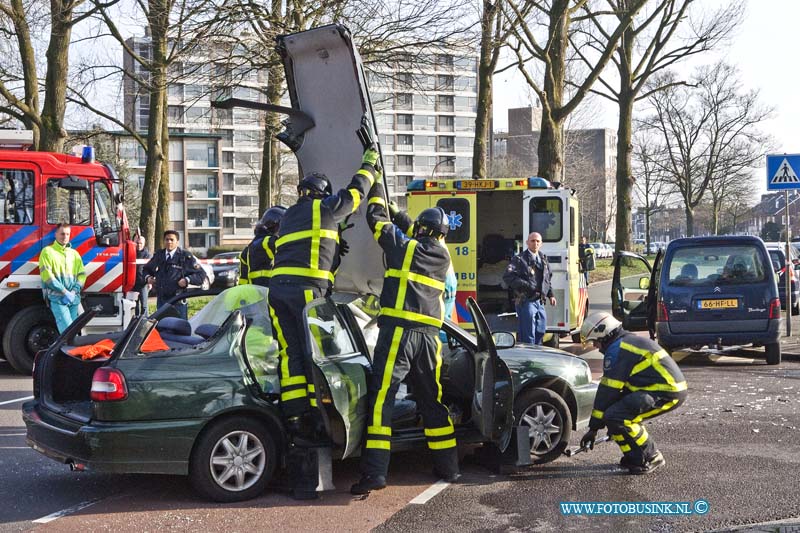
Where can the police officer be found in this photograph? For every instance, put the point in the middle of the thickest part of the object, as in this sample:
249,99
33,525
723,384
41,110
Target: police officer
255,261
410,317
528,274
172,269
640,381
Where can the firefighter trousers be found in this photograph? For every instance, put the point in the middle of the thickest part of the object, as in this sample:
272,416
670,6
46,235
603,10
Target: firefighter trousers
624,421
401,352
286,304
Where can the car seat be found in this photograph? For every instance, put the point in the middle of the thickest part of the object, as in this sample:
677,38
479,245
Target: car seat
688,272
174,329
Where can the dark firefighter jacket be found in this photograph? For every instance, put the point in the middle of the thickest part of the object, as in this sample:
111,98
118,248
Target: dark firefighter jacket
416,270
631,364
307,244
255,262
168,273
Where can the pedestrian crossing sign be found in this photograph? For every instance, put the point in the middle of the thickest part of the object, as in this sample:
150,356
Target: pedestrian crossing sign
782,172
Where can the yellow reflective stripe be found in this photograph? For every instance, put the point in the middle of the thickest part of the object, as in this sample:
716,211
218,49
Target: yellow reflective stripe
597,414
417,278
379,430
293,395
303,272
312,402
618,438
658,387
284,358
367,174
259,274
311,388
294,380
633,427
624,448
613,383
378,227
379,444
316,224
641,440
403,286
308,234
658,367
386,380
442,444
439,432
666,407
410,315
438,373
356,196
377,200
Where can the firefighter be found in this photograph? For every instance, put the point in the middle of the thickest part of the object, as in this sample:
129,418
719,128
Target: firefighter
306,253
410,318
640,381
63,277
255,261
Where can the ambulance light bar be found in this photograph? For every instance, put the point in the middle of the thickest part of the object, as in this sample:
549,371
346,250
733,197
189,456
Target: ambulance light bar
475,185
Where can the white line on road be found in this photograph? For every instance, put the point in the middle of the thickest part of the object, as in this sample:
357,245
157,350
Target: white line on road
15,448
17,400
12,434
430,492
64,512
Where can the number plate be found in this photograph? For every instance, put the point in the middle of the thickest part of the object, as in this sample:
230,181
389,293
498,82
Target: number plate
727,303
477,184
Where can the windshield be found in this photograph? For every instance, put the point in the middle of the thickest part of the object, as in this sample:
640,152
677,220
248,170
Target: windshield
105,219
703,266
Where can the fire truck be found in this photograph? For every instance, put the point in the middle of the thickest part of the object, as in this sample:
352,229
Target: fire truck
39,190
489,222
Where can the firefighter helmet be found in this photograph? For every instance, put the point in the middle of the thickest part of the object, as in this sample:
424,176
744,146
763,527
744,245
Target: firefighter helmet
599,326
432,222
270,220
315,184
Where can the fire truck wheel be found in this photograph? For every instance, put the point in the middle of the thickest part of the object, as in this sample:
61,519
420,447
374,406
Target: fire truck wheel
29,331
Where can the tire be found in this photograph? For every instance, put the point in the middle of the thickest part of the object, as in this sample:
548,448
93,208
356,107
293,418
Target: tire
30,330
554,341
209,479
549,421
773,353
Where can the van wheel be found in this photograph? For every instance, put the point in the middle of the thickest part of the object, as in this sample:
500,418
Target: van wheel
773,352
30,330
233,460
548,421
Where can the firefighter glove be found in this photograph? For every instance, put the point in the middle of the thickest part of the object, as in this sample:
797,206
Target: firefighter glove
393,208
587,441
370,156
343,247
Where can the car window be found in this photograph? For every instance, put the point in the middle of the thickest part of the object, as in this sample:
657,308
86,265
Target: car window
700,266
329,334
776,256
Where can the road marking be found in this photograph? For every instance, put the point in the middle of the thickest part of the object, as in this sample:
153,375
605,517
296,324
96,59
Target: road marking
17,400
430,492
64,512
15,448
12,434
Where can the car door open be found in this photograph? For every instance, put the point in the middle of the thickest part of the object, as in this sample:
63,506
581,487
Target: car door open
629,290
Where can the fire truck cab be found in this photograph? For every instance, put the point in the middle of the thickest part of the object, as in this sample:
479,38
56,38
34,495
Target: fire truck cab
39,190
489,222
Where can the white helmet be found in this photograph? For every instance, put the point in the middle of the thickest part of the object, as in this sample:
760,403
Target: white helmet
598,326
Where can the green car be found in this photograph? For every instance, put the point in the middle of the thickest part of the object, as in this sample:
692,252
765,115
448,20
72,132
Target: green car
207,406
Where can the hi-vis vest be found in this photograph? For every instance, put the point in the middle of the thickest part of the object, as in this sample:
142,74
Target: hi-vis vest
307,243
416,270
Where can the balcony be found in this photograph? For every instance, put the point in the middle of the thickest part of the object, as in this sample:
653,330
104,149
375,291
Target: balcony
202,223
201,193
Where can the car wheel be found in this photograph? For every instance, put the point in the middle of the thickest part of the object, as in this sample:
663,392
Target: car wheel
554,341
30,330
233,460
773,352
548,420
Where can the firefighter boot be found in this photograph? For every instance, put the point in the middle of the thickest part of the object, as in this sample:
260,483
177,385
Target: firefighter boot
649,466
367,484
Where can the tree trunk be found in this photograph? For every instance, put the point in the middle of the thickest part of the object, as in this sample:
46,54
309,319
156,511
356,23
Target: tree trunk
53,134
689,220
28,66
485,74
551,139
646,229
163,222
270,156
625,179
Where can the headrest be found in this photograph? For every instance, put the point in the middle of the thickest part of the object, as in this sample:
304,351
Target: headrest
174,325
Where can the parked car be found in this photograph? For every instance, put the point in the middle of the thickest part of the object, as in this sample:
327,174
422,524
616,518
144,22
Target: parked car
654,247
701,291
600,251
778,257
210,401
226,274
609,249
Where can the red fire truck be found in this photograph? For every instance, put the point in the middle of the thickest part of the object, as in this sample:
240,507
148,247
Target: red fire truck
39,190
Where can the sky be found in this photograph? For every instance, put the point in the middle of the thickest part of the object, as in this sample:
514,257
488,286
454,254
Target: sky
764,49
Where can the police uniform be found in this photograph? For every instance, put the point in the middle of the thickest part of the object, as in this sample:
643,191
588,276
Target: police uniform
529,278
181,265
410,317
306,252
640,381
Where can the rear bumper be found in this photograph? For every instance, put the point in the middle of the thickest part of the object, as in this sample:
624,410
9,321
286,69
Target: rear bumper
161,447
709,333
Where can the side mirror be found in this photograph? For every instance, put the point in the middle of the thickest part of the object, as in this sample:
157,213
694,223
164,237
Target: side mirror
644,283
503,339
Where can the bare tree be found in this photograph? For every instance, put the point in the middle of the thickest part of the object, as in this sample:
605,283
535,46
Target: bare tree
543,33
650,188
707,131
658,38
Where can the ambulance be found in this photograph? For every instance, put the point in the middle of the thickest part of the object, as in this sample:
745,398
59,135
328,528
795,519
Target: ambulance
489,222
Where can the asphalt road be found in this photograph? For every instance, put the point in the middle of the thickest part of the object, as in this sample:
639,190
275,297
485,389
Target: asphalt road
734,444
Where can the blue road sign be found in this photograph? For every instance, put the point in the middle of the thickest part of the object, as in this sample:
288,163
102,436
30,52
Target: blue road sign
783,171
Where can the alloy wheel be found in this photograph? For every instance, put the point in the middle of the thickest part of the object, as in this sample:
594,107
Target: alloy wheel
237,461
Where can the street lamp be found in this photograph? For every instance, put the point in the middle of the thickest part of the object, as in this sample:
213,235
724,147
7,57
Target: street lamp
449,159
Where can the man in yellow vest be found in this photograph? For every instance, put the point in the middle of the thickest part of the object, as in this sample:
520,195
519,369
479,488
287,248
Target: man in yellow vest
63,276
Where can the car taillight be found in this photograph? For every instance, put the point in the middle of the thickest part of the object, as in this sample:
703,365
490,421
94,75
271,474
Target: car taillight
663,315
775,308
108,385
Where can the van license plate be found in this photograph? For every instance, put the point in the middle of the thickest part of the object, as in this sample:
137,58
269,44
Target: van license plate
729,303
